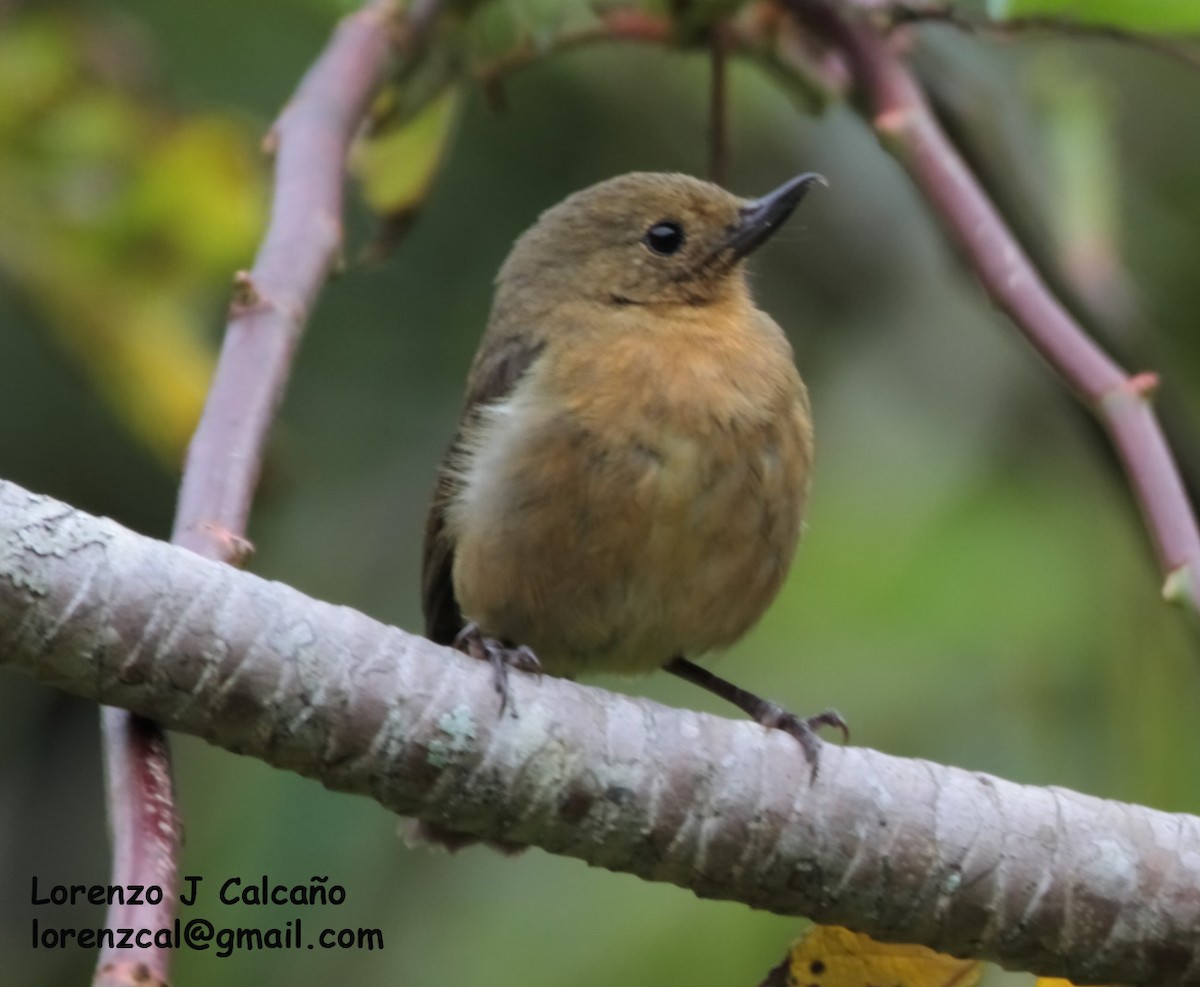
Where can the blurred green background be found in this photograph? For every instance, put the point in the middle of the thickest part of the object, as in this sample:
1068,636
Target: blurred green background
975,586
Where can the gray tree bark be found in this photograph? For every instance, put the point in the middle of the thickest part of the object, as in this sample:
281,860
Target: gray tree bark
1042,879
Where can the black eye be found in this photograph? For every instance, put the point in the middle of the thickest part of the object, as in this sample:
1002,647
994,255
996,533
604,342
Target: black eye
664,238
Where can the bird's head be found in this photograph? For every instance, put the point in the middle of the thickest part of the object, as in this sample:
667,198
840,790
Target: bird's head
646,238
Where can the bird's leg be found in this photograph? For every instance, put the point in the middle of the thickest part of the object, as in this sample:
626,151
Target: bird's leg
500,655
766,713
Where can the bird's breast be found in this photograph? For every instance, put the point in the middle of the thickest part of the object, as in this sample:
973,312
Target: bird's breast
613,525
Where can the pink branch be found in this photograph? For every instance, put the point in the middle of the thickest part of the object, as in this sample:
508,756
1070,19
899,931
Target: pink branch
271,304
907,126
146,832
272,301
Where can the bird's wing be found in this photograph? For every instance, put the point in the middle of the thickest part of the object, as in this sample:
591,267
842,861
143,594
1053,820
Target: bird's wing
495,373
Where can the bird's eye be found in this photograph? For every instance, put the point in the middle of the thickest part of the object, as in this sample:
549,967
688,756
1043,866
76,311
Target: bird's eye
664,238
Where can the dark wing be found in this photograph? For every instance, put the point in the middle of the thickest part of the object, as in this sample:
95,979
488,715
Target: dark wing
494,374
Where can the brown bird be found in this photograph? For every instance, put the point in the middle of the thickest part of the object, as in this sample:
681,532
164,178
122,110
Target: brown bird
626,487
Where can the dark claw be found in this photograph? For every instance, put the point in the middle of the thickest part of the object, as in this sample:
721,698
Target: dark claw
830,718
524,660
501,657
804,730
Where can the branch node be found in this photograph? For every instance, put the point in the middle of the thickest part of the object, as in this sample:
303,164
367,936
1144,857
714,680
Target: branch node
1178,586
1139,387
269,145
893,121
1144,384
127,975
340,264
246,295
233,548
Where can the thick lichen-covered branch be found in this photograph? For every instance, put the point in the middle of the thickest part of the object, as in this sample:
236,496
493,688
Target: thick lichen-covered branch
1035,878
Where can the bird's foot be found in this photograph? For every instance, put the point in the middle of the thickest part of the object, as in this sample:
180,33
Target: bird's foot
501,656
803,729
767,714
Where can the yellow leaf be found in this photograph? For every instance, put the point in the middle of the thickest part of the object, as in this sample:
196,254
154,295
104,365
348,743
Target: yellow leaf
830,956
141,348
120,222
199,192
396,165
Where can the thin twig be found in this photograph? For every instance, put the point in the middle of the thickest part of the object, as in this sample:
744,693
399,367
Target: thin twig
616,24
270,306
909,129
718,108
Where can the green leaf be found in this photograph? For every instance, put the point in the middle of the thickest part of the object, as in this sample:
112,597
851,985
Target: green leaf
396,165
1150,16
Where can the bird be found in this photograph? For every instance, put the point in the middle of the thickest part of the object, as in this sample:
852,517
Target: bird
627,484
